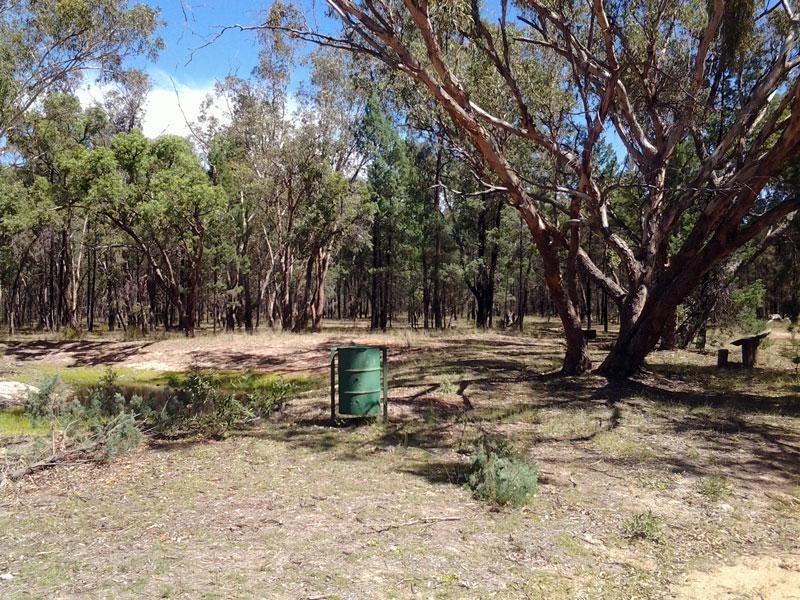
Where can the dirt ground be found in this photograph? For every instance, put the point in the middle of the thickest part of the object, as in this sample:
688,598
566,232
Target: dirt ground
296,508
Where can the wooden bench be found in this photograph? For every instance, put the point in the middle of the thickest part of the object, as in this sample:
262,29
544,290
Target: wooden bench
750,346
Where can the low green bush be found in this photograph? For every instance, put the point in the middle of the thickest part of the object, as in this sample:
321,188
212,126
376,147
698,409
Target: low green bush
498,475
714,488
201,402
100,427
51,401
643,526
119,436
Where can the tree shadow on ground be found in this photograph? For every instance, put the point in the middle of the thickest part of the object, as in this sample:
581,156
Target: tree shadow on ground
441,472
84,353
787,405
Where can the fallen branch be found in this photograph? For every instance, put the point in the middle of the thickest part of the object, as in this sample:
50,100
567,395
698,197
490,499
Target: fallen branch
82,453
414,522
66,457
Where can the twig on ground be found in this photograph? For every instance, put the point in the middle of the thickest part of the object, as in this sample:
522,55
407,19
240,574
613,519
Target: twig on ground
414,522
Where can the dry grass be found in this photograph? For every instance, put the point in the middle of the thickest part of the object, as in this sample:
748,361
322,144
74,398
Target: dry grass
299,509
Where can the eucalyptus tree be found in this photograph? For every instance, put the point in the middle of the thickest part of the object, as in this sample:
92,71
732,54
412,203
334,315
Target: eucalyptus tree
714,79
52,146
125,101
336,212
388,180
159,195
280,158
49,45
244,162
26,211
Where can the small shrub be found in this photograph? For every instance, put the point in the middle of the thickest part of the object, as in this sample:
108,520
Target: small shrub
44,401
210,403
714,488
116,437
70,334
447,386
100,428
106,397
643,526
271,397
52,402
499,476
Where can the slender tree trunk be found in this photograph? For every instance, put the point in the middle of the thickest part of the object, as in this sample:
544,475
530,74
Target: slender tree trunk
323,264
247,315
303,314
376,301
286,306
90,291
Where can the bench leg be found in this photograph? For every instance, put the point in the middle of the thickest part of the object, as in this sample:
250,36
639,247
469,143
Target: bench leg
749,355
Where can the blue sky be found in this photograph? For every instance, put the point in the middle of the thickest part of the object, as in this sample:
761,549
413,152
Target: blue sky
181,78
185,71
190,22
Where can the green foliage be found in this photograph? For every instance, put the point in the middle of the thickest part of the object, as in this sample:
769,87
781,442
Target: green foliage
50,45
102,427
714,488
50,401
105,421
501,477
208,403
745,302
643,526
119,436
737,29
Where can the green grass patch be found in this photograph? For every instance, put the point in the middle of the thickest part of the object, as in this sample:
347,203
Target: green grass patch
714,488
617,444
88,376
14,423
144,381
245,381
643,526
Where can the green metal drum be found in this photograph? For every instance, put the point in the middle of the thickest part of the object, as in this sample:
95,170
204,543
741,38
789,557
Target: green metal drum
362,380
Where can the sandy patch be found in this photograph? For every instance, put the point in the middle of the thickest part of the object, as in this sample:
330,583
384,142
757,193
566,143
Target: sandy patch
765,578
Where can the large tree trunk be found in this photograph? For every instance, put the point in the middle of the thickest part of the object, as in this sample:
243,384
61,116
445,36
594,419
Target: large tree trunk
643,320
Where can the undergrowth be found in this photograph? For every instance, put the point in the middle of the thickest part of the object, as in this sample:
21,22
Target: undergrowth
643,526
714,488
105,421
500,476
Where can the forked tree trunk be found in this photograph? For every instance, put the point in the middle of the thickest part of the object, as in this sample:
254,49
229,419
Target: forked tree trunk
643,322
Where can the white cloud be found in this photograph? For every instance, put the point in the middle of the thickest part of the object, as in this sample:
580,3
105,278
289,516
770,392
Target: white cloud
170,104
168,109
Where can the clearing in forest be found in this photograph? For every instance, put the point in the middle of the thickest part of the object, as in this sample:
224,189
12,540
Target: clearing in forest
684,483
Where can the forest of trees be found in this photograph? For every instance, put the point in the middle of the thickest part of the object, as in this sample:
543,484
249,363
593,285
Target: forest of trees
482,189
